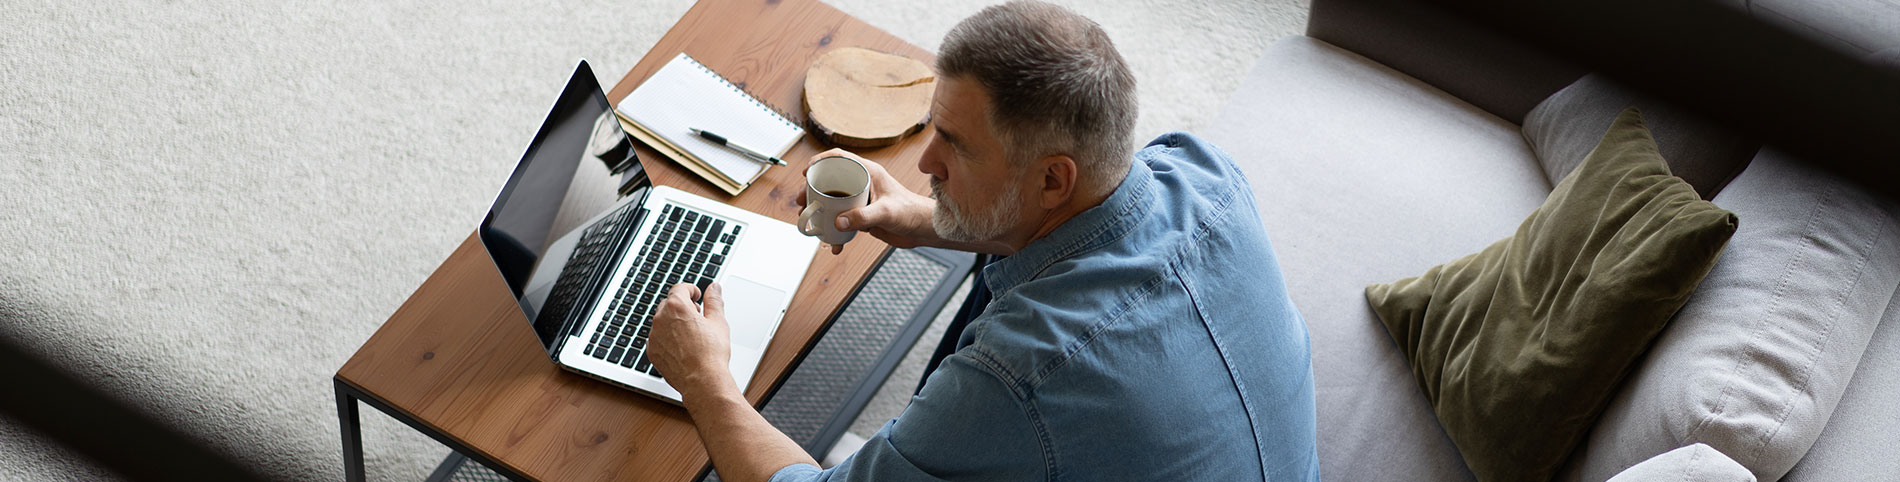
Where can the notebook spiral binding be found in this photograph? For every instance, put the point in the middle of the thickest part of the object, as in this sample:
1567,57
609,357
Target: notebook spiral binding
782,115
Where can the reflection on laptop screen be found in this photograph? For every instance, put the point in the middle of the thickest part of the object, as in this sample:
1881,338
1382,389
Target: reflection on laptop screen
517,228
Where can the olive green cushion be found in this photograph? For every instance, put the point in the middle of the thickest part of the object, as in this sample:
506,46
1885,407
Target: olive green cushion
1520,346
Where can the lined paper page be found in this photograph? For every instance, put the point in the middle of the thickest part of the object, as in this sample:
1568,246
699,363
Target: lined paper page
684,95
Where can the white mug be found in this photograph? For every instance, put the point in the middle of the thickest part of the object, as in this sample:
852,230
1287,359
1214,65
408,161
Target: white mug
833,185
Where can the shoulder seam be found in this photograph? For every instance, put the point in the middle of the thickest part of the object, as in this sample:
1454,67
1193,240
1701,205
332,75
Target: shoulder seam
1113,317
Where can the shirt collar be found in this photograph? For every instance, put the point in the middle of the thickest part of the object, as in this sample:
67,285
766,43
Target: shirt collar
1091,229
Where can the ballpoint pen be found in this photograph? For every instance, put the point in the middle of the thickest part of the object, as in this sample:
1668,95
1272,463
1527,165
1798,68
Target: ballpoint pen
721,141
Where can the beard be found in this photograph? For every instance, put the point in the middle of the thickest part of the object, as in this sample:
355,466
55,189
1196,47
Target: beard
955,222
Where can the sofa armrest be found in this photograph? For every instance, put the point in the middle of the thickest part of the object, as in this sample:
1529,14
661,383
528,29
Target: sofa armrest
1500,75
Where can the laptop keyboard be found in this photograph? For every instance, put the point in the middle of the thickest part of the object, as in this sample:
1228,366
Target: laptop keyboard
683,246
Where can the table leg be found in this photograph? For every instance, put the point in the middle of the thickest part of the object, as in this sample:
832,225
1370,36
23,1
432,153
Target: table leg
352,434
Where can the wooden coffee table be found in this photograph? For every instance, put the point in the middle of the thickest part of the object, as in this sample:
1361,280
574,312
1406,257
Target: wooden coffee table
459,362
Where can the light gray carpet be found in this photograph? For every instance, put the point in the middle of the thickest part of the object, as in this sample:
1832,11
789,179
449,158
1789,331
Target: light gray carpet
209,205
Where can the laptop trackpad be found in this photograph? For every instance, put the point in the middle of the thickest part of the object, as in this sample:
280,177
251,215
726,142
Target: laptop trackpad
752,309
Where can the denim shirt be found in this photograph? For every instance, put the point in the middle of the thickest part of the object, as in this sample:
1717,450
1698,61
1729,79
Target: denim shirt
1147,338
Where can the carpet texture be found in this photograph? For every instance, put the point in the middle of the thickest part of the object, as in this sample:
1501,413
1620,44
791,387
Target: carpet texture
209,205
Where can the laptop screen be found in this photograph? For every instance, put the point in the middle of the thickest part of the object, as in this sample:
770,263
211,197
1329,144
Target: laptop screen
519,225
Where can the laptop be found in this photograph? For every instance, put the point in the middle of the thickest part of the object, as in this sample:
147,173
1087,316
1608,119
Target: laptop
589,266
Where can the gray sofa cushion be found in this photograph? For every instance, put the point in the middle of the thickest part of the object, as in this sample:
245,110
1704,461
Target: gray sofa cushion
1756,362
1694,463
1365,175
1860,439
1563,128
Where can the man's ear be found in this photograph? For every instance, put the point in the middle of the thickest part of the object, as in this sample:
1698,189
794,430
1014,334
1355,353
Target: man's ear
1058,180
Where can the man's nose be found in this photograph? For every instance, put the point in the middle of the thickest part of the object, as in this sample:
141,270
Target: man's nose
926,164
931,162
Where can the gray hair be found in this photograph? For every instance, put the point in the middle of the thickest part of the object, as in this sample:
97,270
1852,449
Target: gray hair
1056,84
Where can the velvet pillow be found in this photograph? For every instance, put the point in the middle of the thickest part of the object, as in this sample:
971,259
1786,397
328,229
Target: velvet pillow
1520,346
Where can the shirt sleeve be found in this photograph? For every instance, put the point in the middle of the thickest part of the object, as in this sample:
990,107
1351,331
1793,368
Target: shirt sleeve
965,425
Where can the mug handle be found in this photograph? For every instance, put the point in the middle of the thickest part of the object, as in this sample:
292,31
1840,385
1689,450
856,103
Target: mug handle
804,220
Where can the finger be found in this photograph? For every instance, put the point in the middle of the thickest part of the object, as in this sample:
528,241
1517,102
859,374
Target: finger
882,178
869,216
836,249
714,302
876,170
683,293
833,152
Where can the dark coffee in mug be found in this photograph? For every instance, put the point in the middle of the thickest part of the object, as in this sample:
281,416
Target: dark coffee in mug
837,193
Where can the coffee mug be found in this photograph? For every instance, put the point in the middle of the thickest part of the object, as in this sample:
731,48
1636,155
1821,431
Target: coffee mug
833,185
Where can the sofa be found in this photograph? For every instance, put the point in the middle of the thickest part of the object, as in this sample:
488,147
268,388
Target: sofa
1393,137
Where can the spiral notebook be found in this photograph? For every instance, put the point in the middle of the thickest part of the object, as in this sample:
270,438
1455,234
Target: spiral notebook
684,95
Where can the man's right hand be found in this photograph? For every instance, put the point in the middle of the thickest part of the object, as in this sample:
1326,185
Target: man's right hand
894,214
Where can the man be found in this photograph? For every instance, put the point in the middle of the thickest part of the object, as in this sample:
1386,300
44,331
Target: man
1139,328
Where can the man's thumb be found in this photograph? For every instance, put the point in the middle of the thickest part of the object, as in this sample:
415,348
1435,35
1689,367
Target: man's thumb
713,303
862,218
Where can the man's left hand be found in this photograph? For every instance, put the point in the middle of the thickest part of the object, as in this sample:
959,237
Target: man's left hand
691,343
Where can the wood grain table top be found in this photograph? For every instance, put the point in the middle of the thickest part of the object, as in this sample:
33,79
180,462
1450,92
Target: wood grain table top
460,358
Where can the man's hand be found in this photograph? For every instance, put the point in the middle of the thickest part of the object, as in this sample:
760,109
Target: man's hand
693,346
894,214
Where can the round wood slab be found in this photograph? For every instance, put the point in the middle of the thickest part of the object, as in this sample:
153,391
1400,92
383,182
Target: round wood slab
865,98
